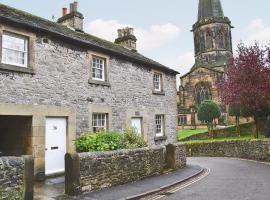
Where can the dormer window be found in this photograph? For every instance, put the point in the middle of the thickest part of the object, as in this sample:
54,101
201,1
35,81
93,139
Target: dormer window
14,49
98,69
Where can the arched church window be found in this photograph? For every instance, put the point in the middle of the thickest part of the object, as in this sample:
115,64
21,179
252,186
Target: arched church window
203,94
197,43
209,41
202,42
221,39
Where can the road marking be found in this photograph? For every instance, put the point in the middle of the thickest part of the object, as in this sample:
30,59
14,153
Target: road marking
182,186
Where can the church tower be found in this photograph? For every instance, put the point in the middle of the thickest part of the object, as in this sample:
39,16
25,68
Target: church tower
213,49
212,36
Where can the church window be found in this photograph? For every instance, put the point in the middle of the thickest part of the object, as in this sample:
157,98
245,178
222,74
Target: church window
202,42
202,94
209,42
182,120
220,39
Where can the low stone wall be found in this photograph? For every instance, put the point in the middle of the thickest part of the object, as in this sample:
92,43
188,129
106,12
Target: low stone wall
97,170
247,149
229,131
16,178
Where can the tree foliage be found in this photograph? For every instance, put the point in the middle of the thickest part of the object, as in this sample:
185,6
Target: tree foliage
247,81
208,111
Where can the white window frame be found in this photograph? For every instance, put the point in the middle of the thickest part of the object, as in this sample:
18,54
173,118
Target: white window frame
25,52
103,68
99,124
159,125
157,82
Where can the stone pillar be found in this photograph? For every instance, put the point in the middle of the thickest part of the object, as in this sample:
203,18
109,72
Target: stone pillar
28,178
72,174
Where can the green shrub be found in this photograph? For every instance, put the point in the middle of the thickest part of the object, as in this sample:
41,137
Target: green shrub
109,141
101,141
132,140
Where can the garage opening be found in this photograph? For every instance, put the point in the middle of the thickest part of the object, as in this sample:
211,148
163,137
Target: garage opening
15,135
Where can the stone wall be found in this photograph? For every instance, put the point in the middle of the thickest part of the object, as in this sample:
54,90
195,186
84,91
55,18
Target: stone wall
97,170
247,149
16,178
180,156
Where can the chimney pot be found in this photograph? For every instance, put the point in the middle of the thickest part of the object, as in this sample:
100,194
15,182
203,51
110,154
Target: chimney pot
71,7
75,6
65,11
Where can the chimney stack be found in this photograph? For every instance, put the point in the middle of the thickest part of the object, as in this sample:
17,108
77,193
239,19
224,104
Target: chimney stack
65,11
126,38
73,19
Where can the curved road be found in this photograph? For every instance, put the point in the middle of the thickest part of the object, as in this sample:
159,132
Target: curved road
229,179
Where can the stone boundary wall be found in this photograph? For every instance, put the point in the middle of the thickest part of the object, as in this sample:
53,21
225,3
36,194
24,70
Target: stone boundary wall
97,170
229,131
247,149
16,178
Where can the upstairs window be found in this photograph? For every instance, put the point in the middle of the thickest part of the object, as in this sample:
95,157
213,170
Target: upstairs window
14,49
157,82
98,69
99,122
159,125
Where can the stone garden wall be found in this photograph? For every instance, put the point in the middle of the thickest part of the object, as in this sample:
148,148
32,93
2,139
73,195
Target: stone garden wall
16,178
247,149
94,171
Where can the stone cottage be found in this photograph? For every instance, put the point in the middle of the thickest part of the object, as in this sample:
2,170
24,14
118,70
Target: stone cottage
212,48
57,82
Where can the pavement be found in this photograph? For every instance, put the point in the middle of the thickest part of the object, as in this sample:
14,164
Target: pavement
54,188
232,179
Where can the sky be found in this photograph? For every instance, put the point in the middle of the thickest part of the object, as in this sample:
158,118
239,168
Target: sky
161,26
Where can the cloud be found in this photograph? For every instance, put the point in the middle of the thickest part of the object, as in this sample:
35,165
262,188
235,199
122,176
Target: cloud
258,31
154,37
185,62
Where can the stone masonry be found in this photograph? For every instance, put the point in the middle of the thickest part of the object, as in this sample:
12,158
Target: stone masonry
11,178
98,170
61,79
253,149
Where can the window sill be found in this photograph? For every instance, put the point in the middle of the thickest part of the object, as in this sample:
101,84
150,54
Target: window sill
159,138
158,92
102,83
13,68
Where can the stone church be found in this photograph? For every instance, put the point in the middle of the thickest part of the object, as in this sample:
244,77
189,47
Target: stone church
212,48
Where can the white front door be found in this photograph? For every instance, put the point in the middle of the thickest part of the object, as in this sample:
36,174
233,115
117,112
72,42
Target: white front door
56,129
137,124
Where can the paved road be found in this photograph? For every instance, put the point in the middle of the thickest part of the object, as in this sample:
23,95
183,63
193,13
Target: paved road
228,180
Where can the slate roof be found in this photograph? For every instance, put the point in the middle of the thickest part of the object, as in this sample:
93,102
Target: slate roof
210,8
29,21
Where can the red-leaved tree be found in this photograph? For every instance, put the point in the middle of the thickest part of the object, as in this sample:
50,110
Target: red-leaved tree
247,81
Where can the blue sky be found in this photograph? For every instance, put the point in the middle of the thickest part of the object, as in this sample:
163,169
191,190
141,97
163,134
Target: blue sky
162,27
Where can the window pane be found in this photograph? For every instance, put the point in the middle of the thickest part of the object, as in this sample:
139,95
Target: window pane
99,121
98,68
14,50
159,125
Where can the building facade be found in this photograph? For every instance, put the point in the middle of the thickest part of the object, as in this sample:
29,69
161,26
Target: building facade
57,82
212,48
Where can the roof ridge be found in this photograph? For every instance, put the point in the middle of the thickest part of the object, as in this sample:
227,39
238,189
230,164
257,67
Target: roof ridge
43,24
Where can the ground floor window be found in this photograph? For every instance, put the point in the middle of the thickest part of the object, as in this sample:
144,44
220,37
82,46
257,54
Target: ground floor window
159,125
99,122
182,120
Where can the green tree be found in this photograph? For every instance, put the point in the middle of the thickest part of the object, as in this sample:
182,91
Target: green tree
236,112
208,111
